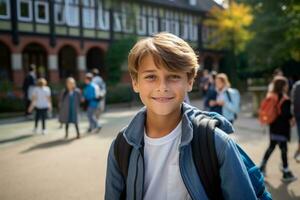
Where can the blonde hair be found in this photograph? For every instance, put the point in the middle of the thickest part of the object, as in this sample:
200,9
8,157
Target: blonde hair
168,51
41,82
224,78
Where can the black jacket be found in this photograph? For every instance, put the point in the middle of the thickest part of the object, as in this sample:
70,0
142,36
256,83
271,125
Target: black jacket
281,125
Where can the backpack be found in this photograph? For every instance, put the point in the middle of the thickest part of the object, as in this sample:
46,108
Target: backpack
270,108
205,159
233,96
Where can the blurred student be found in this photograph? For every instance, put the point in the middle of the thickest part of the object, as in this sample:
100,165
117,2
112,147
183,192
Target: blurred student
280,127
70,105
211,95
228,98
41,102
98,80
28,86
295,97
91,98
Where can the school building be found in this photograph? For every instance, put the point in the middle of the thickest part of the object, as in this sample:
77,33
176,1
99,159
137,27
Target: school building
70,37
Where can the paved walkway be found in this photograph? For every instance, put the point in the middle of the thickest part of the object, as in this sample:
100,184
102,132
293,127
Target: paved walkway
36,167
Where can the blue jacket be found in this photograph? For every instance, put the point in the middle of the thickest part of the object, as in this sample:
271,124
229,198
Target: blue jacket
89,94
230,108
235,182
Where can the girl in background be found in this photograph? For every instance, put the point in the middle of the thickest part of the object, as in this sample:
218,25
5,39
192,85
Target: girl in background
69,105
280,128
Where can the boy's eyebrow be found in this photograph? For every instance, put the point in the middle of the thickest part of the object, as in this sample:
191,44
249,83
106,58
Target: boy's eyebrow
149,71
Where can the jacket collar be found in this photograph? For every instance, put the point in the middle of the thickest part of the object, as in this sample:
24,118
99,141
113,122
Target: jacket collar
134,133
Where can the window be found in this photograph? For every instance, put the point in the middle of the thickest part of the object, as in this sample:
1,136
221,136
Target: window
141,24
126,16
117,21
59,13
88,14
184,32
152,25
24,10
193,2
4,9
41,12
193,29
103,17
72,12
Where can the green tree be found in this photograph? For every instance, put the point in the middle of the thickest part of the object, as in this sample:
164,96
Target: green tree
116,56
277,34
230,32
230,27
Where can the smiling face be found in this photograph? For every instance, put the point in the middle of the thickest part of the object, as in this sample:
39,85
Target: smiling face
161,91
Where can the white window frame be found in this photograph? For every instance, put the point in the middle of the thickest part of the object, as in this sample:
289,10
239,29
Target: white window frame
117,22
88,17
59,8
141,20
72,13
152,25
25,19
7,16
126,27
37,19
193,2
103,19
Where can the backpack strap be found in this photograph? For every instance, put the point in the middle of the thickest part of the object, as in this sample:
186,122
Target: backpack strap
122,151
228,95
205,157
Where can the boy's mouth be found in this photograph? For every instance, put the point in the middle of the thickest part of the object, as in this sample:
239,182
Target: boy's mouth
162,99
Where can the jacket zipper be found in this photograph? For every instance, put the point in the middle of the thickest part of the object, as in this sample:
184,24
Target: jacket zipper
136,174
184,178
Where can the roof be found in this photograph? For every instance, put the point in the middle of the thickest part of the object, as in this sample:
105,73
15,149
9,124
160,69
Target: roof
201,5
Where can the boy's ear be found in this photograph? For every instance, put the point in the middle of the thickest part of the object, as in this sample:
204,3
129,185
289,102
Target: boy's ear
135,85
190,84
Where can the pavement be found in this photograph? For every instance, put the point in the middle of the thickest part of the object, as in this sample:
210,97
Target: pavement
42,167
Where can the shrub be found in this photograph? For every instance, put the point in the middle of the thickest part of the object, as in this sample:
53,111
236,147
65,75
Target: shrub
120,93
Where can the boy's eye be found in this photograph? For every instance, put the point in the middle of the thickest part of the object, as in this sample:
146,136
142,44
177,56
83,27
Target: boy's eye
150,77
175,77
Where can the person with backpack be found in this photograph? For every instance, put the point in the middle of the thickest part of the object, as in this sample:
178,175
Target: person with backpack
275,111
228,98
97,79
69,106
295,97
91,98
171,150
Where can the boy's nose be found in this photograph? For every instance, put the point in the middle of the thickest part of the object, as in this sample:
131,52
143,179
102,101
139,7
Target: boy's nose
162,85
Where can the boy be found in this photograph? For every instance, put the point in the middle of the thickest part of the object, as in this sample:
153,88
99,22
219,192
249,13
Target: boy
161,166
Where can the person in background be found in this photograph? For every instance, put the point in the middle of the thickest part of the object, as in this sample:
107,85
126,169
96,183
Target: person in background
295,97
277,72
227,97
91,95
204,82
97,79
69,105
41,102
28,85
211,95
280,129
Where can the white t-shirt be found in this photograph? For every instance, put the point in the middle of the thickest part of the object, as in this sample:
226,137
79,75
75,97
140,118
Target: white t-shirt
162,175
41,94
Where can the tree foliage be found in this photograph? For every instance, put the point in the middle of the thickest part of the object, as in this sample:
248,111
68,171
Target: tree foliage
116,56
230,27
277,33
